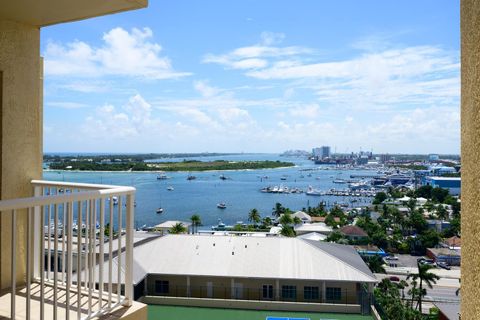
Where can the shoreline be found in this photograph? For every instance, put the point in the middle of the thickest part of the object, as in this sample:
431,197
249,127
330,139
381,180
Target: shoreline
160,171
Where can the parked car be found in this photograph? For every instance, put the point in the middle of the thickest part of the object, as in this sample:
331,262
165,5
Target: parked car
391,258
426,261
443,265
394,279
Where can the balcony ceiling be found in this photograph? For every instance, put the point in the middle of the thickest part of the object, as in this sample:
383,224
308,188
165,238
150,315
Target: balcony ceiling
42,13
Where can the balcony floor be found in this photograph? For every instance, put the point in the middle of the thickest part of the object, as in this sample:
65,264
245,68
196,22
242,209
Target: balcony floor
136,311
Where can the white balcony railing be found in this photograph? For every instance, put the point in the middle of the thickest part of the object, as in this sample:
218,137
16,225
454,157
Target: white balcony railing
70,232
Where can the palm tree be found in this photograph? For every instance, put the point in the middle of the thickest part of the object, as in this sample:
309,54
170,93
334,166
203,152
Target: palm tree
196,221
178,228
278,210
254,216
425,277
286,219
267,221
402,285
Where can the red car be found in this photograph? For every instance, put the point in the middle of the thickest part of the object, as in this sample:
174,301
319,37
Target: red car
394,279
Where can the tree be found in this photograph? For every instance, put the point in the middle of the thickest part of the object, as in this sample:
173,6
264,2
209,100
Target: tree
439,194
286,219
379,198
178,228
424,192
411,204
375,263
442,213
196,221
278,210
254,216
287,231
266,222
425,277
297,220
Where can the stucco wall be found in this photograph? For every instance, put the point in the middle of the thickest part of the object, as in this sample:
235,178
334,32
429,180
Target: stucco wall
221,287
470,119
20,131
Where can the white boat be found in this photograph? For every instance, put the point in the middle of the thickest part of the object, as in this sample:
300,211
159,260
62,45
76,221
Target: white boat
221,205
159,210
115,200
313,192
170,188
162,177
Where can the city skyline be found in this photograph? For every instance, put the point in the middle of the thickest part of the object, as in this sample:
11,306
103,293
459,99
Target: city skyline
235,77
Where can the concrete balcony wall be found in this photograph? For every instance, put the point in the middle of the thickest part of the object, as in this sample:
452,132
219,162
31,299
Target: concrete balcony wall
21,121
470,120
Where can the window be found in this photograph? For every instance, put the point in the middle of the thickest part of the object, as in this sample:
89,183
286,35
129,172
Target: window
334,294
310,293
267,291
161,287
289,292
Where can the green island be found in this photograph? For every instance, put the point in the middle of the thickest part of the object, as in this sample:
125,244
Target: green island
186,165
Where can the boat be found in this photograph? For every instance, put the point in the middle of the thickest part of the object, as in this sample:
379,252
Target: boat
339,181
313,192
115,200
190,177
170,188
283,178
222,177
159,210
162,177
221,205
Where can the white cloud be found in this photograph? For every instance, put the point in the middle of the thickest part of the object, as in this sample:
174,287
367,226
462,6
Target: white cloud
123,53
306,111
205,89
66,105
254,56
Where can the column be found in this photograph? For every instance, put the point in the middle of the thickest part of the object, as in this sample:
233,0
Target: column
277,289
470,134
324,291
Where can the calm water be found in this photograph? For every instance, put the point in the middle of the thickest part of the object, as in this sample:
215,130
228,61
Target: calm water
241,192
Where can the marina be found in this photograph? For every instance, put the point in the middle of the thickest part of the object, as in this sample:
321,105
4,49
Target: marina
186,193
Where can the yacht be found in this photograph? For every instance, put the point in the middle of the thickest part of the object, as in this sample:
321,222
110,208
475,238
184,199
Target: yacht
162,177
313,192
159,210
115,201
221,205
170,188
222,177
190,177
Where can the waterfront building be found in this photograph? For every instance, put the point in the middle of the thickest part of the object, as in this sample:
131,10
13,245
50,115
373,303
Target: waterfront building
273,273
165,227
321,153
453,184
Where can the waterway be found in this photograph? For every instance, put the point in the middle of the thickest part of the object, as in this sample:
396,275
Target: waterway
240,192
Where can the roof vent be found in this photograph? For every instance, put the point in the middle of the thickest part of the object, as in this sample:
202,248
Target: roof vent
233,253
214,244
245,246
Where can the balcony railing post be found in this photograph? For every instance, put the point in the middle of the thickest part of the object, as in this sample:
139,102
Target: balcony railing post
129,251
37,235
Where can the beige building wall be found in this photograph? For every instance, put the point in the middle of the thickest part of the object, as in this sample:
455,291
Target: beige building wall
221,287
470,120
20,131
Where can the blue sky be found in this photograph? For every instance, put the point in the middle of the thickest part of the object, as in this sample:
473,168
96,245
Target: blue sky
256,76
